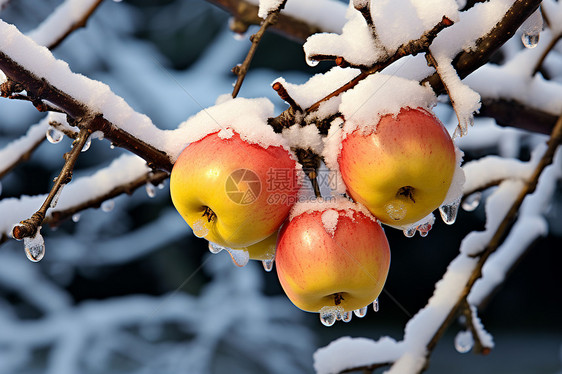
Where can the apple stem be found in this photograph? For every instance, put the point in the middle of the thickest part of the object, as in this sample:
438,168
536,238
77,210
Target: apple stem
406,191
338,298
209,214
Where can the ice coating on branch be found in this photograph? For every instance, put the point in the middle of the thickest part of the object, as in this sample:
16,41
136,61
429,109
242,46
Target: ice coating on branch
338,204
268,6
358,44
465,100
347,352
246,117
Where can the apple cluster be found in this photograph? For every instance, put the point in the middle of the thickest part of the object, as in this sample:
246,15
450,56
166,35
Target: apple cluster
332,256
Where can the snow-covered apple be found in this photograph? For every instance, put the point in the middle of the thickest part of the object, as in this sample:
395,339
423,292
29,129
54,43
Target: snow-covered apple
332,260
402,170
232,192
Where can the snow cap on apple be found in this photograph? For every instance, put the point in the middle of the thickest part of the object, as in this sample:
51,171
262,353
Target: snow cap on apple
332,257
391,153
236,180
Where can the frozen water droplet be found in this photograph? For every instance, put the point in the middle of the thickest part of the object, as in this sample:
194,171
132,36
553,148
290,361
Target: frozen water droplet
108,205
530,40
112,146
268,265
200,227
472,201
76,217
376,305
150,190
240,257
464,341
87,144
449,212
55,200
214,248
362,312
329,315
34,247
161,186
424,229
53,135
410,231
396,209
346,317
312,63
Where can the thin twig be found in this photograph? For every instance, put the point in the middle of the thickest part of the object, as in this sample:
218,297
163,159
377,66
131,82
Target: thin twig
28,227
545,53
242,69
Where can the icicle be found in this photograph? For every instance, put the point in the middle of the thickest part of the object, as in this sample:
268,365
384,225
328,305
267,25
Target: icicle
268,264
53,135
472,201
410,231
240,257
35,247
424,229
76,217
396,209
107,206
200,227
87,144
346,317
464,341
150,190
532,28
329,315
362,312
449,212
376,305
215,248
55,200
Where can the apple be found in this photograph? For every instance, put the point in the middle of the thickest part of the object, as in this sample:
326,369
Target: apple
335,268
232,192
263,251
403,170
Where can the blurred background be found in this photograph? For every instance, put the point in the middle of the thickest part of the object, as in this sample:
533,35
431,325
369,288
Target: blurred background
131,290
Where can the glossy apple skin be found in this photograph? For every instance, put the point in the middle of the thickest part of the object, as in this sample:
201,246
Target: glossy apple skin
411,149
198,180
263,250
313,266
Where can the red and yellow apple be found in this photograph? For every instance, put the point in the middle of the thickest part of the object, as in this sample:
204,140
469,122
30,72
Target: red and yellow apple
344,269
403,170
223,189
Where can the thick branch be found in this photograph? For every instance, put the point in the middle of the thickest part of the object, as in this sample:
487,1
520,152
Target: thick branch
43,90
515,114
246,14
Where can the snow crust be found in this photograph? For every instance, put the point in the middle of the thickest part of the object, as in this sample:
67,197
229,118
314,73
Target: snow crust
246,117
336,203
268,6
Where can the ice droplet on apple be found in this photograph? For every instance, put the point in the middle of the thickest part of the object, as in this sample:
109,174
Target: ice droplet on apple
361,312
35,247
424,229
376,305
346,317
410,231
200,227
472,201
396,209
464,341
215,248
449,212
329,315
268,264
240,257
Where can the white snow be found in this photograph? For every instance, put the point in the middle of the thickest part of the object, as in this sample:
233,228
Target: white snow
330,220
304,137
13,151
268,6
337,203
458,181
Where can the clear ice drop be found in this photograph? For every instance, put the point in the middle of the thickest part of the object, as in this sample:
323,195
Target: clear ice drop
362,312
215,248
376,305
449,212
53,135
472,201
346,317
464,341
410,231
268,265
76,217
107,206
34,247
240,257
150,190
530,40
329,315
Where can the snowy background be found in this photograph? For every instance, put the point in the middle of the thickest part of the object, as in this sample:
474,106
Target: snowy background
128,289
